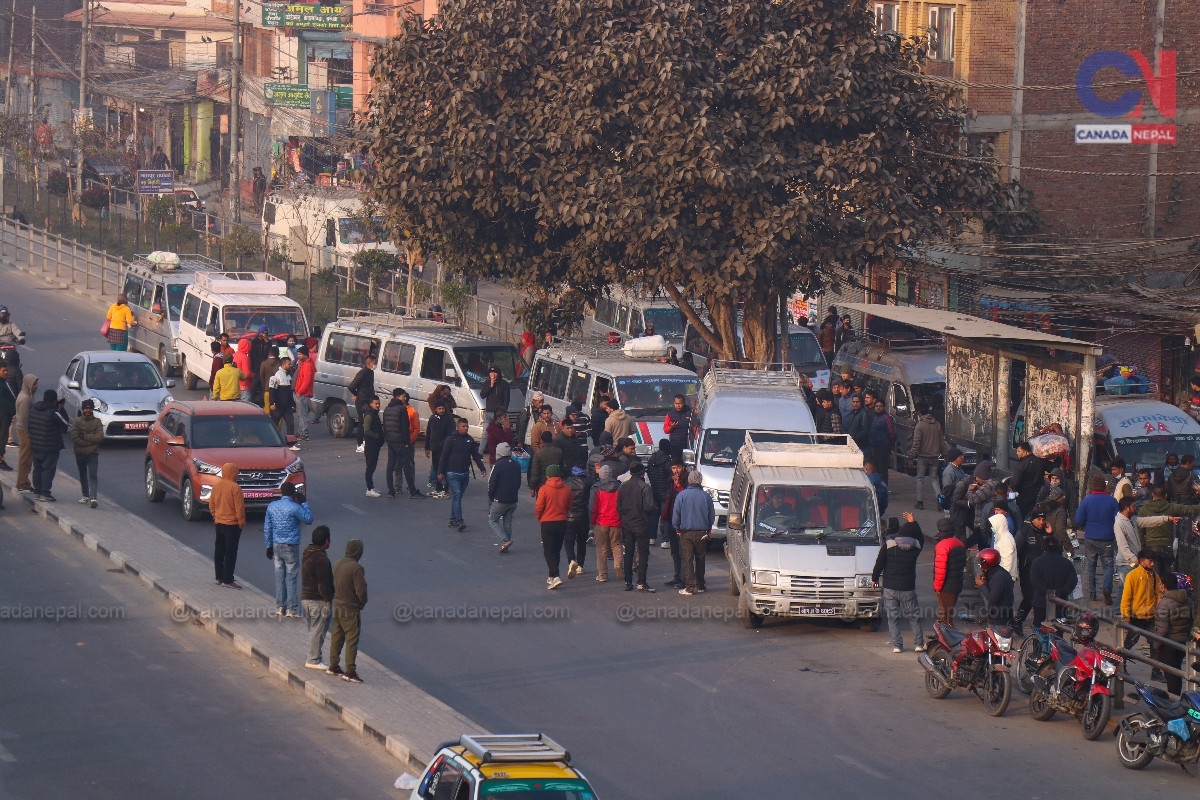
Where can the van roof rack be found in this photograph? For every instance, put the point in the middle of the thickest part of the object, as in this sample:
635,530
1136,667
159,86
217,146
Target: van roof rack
421,317
602,348
901,344
188,262
241,283
834,450
493,747
723,373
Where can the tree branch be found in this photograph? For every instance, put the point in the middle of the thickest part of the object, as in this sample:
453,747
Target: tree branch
697,322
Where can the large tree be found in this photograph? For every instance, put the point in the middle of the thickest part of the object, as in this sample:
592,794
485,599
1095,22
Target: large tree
724,151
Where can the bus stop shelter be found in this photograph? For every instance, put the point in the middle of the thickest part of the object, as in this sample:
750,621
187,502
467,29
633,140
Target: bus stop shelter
1060,378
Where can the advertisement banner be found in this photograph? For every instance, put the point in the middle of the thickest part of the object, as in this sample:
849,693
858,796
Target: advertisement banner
310,16
155,181
288,95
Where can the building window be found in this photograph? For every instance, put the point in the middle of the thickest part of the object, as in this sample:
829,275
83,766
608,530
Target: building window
224,54
941,33
887,17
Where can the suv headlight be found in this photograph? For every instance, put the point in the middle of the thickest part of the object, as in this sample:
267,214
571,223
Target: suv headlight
862,581
295,466
204,468
764,577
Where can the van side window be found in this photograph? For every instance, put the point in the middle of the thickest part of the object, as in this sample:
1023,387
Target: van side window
191,305
635,322
605,309
577,388
148,295
603,386
621,318
551,379
202,320
398,357
433,363
133,289
346,348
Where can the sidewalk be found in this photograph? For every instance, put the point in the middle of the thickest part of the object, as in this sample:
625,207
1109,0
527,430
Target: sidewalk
389,710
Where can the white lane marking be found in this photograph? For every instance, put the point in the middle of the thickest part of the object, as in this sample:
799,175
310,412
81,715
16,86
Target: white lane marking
354,509
862,767
5,756
696,682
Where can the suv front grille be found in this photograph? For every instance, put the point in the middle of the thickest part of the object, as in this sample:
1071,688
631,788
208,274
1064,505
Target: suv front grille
262,478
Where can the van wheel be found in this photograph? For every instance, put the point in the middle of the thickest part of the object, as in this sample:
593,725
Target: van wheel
338,421
733,587
189,380
747,617
163,367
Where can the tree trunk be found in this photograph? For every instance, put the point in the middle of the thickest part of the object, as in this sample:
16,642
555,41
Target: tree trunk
720,331
759,316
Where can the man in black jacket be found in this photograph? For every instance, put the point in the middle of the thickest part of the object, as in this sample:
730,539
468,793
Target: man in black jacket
578,520
362,389
572,445
372,429
438,429
858,424
996,585
635,504
316,593
46,426
1027,478
896,568
658,475
1051,572
458,451
399,420
494,393
1029,548
546,455
504,485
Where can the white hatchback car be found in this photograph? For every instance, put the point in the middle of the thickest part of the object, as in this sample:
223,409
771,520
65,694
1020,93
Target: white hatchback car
127,388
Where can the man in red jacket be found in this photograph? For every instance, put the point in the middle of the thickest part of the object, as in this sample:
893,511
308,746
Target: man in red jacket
949,560
303,389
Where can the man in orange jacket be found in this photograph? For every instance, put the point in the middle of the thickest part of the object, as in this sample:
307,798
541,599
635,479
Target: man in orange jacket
228,509
553,505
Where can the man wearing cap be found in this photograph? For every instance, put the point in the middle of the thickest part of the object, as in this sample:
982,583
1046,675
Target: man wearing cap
401,427
553,506
87,432
693,517
530,414
494,392
302,387
635,502
504,487
1119,382
1029,547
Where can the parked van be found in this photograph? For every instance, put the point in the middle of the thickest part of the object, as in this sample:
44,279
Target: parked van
804,531
731,402
626,314
416,355
1141,432
321,226
574,372
235,303
155,285
804,353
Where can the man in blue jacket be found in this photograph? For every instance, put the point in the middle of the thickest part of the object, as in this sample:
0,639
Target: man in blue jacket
459,450
1097,514
693,518
504,484
281,531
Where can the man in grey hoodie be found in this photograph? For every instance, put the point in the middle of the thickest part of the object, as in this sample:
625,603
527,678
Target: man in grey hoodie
349,597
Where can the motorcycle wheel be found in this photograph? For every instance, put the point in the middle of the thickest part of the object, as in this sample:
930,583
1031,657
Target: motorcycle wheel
1039,706
997,691
1133,755
936,689
1094,718
1031,649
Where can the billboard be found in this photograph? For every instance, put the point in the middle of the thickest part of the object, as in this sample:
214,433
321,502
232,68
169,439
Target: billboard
312,16
287,95
155,181
1157,83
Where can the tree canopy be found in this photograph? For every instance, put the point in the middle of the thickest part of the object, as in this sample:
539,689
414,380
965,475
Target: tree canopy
725,151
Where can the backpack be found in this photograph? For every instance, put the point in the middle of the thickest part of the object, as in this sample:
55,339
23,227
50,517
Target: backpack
943,500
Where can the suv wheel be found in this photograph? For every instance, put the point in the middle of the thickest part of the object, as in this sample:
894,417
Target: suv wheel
187,501
154,492
337,420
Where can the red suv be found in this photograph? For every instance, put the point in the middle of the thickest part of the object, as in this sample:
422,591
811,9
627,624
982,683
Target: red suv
190,441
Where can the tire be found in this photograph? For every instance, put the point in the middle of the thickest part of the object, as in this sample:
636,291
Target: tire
154,492
733,587
870,624
748,618
997,692
163,367
935,688
189,380
1039,706
1031,649
188,505
1096,713
1131,754
337,420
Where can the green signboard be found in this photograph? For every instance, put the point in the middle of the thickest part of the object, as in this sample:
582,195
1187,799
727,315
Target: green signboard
288,95
345,96
303,15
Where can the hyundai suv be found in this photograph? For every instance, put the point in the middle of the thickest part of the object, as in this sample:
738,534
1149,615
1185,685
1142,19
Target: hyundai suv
190,441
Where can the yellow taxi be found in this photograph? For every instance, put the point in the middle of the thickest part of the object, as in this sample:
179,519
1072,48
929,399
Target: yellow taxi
509,766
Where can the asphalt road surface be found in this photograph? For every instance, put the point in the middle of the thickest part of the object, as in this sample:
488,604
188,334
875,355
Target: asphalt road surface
651,705
115,699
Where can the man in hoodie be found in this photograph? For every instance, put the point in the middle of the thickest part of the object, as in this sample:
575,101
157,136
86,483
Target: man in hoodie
306,372
24,405
1050,572
949,561
228,508
401,427
87,432
349,599
1139,600
1172,620
928,445
619,424
241,359
494,393
553,506
504,486
606,524
47,424
896,567
1003,540
578,522
8,409
316,594
882,437
458,452
372,432
692,518
281,532
438,429
635,504
658,475
281,402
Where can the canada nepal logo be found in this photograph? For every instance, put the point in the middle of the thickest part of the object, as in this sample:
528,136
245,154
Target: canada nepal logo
1159,84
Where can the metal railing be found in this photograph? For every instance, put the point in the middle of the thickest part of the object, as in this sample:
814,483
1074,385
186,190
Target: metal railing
94,270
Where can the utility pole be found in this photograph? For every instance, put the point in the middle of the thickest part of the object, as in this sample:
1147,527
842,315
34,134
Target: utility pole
32,65
235,104
12,32
83,104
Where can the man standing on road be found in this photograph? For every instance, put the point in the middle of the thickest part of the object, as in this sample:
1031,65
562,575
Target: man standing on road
306,371
606,523
1050,572
1097,515
543,424
459,450
226,384
362,389
24,405
47,424
281,531
349,598
553,506
228,508
1128,539
372,433
896,565
401,427
953,473
949,561
571,444
1160,538
666,526
928,444
438,429
883,438
494,393
678,425
546,455
575,545
281,402
504,485
316,594
260,350
996,585
658,475
8,409
1027,478
1139,600
87,432
120,321
692,518
635,502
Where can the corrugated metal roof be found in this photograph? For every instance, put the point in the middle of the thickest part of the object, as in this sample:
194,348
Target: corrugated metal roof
964,326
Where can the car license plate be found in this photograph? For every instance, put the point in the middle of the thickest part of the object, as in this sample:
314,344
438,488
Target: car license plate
137,426
818,611
257,495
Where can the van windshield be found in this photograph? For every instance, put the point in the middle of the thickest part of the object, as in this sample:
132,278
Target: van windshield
354,230
932,395
814,515
175,293
721,446
476,360
278,319
1151,451
654,396
804,349
667,322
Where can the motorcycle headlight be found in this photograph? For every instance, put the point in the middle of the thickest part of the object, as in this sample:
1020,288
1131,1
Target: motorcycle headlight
1108,668
1004,643
764,577
204,468
295,466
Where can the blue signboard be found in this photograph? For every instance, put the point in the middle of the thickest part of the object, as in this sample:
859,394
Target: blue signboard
155,181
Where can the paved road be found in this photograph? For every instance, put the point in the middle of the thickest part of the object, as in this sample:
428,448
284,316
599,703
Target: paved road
664,708
132,704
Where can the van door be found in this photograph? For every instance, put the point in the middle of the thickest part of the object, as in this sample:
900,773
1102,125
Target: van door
152,318
191,335
905,417
132,289
438,367
395,371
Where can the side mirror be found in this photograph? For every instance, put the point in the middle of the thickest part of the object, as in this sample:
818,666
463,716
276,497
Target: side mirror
451,374
211,330
689,458
72,384
176,441
170,383
735,522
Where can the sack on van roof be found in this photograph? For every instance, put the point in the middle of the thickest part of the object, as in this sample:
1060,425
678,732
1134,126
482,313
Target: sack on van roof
646,347
164,260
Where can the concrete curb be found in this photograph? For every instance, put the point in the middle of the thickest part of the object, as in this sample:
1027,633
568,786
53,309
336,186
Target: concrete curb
406,722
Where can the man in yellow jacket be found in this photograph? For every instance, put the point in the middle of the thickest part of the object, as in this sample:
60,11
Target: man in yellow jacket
1143,590
120,320
226,383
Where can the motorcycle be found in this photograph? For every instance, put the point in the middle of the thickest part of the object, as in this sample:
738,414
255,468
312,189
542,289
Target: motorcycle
1167,729
976,662
1076,683
1030,656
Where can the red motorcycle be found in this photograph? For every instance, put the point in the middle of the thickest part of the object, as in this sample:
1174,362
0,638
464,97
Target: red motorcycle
977,662
1074,682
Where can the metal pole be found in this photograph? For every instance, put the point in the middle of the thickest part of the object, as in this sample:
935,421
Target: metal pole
1087,412
235,103
83,76
1018,98
32,67
12,30
1003,373
783,329
1152,167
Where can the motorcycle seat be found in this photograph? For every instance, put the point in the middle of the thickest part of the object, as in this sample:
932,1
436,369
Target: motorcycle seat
953,636
1066,654
1164,703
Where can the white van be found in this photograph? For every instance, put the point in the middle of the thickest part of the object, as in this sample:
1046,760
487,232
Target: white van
768,402
804,352
1141,432
155,285
804,531
416,355
627,315
321,226
236,303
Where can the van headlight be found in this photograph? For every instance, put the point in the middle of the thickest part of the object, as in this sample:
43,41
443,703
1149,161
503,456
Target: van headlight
764,577
295,466
862,581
